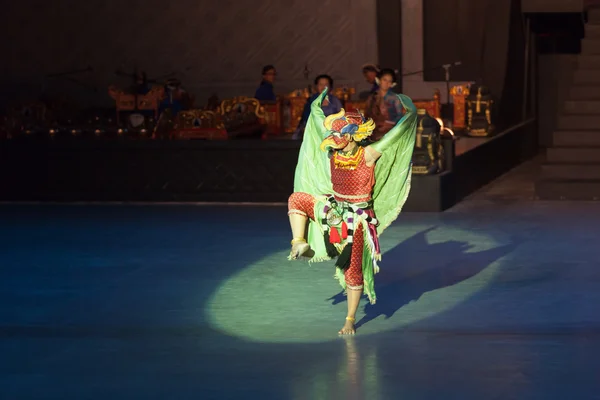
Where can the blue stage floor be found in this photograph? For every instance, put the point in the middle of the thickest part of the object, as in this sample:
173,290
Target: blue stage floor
495,299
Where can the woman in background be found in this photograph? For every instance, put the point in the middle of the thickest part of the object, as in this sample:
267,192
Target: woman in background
383,106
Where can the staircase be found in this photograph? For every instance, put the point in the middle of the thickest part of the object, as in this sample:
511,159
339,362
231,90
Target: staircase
572,167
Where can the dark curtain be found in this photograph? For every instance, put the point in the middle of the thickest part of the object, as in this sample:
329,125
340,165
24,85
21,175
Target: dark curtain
389,36
510,109
453,31
486,36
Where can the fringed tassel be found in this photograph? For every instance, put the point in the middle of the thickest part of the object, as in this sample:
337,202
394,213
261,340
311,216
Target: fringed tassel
339,276
334,236
343,261
329,247
344,230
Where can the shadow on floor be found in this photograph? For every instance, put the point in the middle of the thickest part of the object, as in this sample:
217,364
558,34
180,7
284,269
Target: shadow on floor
416,267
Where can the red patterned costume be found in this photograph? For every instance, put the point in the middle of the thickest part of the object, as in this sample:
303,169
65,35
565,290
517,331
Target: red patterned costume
353,182
342,181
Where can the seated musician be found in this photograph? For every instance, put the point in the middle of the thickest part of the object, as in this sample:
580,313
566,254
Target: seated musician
383,106
370,72
174,97
265,91
330,104
141,85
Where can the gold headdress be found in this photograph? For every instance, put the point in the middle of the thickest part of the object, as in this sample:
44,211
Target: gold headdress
353,123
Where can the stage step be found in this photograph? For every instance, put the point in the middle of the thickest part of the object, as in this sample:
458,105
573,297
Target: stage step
588,61
586,76
576,138
582,106
592,30
584,92
576,172
593,16
567,190
578,122
590,46
573,155
572,170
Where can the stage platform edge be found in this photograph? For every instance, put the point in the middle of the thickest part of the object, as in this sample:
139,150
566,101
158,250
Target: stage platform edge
244,171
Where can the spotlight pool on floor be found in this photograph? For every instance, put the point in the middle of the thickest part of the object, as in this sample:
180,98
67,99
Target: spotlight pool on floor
280,301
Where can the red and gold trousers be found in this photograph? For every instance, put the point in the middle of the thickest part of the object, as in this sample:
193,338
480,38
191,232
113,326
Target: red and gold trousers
304,204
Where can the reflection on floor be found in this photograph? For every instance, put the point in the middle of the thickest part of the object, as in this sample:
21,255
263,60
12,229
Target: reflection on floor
495,299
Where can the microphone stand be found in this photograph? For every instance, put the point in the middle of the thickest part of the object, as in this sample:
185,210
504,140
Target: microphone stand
448,108
306,74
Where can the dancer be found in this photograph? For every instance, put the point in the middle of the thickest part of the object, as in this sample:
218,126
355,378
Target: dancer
349,190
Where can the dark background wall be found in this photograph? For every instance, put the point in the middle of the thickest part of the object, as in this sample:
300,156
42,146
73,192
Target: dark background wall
195,39
453,31
475,32
213,46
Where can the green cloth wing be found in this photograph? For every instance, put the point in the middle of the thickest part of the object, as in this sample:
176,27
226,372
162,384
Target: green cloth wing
313,174
393,169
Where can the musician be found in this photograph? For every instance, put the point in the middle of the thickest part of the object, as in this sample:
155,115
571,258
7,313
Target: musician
265,91
370,72
330,104
141,85
174,97
383,106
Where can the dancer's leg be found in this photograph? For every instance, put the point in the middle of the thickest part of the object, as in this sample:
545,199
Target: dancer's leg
300,208
354,281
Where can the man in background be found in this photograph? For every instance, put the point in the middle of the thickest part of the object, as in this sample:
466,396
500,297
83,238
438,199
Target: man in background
265,91
370,72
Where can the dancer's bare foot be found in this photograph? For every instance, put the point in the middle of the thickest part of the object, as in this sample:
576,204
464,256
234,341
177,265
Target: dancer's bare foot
348,328
299,249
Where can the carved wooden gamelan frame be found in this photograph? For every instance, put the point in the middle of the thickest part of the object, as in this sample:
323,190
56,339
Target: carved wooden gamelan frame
130,102
207,124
